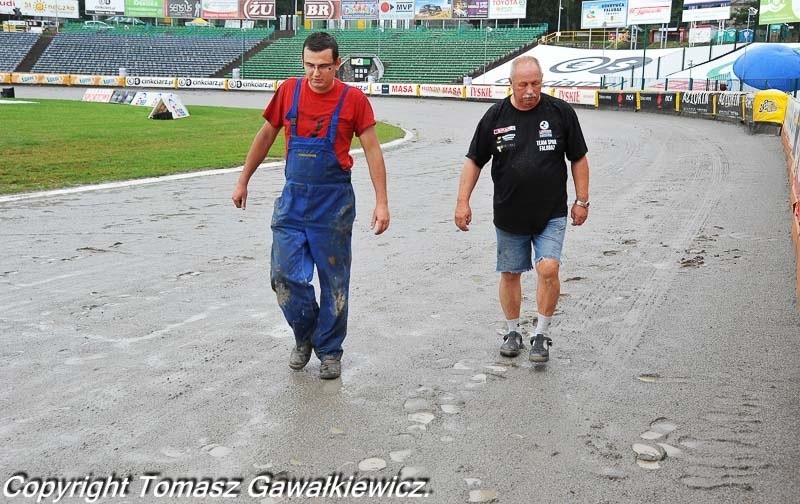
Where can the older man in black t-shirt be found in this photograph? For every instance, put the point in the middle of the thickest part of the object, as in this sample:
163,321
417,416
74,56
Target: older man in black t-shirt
527,136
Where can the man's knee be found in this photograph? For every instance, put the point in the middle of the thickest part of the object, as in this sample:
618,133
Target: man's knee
547,269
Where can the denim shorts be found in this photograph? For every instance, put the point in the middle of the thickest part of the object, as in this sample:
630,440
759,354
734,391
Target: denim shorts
514,251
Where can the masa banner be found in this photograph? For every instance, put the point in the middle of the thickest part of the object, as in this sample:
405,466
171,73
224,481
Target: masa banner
658,102
442,90
700,103
604,14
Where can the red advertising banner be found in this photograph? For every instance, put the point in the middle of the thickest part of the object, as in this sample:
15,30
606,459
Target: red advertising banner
257,9
323,9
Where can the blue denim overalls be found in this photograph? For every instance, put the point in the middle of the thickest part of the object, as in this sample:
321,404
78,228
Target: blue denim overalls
312,226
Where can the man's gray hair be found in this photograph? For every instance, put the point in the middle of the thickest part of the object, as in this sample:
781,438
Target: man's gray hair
522,60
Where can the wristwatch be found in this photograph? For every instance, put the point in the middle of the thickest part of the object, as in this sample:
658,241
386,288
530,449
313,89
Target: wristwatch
584,204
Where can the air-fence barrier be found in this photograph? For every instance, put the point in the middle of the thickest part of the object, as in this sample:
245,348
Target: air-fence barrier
770,111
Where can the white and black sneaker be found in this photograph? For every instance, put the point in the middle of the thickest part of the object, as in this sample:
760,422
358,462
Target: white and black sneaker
539,348
512,344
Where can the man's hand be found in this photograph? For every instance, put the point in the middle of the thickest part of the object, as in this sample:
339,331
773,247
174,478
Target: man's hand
578,214
463,216
380,219
240,196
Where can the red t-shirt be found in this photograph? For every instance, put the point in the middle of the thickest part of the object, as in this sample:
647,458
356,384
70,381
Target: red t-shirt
315,113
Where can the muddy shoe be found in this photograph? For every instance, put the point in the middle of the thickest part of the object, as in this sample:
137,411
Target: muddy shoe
512,345
330,369
300,356
539,350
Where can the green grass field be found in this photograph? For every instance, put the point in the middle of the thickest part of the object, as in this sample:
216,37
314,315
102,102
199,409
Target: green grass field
59,143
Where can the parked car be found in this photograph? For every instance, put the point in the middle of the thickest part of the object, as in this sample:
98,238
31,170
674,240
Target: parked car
125,20
430,9
96,25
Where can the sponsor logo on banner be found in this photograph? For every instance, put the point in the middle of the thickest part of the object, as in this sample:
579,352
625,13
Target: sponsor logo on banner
109,80
251,85
480,92
576,96
604,14
182,9
201,83
108,7
729,105
98,95
25,78
150,82
649,11
7,6
696,102
359,9
506,9
49,8
322,9
220,9
394,9
655,102
401,89
55,79
144,8
364,87
258,9
443,90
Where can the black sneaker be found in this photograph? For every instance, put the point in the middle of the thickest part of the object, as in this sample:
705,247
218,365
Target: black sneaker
539,352
330,369
300,356
512,345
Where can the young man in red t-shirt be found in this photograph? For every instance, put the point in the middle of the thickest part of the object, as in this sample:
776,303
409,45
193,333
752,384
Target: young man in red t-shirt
313,218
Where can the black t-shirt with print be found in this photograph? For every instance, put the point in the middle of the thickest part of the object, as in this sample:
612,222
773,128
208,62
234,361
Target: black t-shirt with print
527,150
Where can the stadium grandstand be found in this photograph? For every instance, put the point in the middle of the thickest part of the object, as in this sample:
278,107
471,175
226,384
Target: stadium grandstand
14,47
148,51
414,55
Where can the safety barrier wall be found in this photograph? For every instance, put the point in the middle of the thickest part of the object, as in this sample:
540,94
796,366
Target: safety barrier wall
772,108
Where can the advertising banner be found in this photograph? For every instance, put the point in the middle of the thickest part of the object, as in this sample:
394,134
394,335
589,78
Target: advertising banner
697,103
442,90
700,3
251,85
576,96
105,7
154,82
7,6
55,79
604,14
649,11
432,9
486,92
201,83
5,78
396,89
220,9
730,106
322,9
616,100
182,9
709,14
769,106
97,95
169,106
507,9
359,9
470,9
258,9
778,11
122,96
97,80
49,8
364,87
144,8
658,102
145,99
700,35
25,78
395,9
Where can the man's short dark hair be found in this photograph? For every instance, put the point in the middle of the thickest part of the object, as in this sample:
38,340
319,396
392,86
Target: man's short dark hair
319,41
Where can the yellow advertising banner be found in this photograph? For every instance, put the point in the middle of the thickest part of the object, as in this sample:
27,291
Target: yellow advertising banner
5,78
770,106
26,78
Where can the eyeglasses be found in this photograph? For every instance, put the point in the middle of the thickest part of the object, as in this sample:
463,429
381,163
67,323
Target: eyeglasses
311,68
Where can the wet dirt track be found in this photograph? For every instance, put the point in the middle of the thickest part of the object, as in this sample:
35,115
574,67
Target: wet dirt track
140,333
